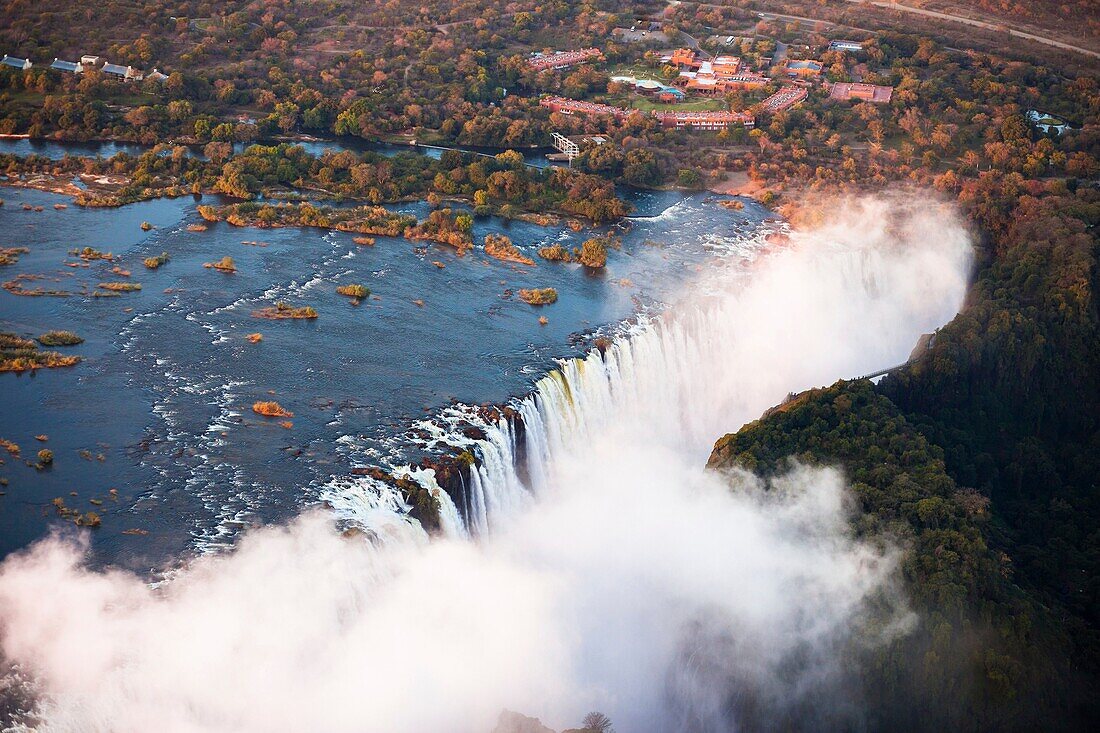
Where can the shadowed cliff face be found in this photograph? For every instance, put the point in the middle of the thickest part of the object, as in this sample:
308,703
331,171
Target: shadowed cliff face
629,580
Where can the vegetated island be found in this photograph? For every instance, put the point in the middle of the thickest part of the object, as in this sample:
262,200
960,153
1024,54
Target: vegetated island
270,409
500,247
444,226
20,355
355,291
225,264
60,338
538,296
591,254
284,311
10,255
154,262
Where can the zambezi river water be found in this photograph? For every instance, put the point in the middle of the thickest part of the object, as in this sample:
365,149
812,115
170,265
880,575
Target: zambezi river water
154,428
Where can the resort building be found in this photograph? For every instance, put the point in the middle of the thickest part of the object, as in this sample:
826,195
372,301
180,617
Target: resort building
845,46
69,66
89,60
157,75
806,68
694,120
573,106
16,63
682,58
702,82
844,91
562,59
785,98
126,72
704,120
715,77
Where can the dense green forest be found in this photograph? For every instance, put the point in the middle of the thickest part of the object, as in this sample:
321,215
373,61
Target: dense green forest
981,459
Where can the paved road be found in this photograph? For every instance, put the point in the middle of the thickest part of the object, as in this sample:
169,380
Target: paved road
1000,27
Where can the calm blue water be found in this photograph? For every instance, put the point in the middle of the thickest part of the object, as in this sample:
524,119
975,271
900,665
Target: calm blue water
56,150
168,379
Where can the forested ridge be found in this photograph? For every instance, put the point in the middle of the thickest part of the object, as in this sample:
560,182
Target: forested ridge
980,459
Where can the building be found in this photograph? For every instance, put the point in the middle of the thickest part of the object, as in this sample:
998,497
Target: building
785,98
704,120
157,75
89,60
126,72
805,68
682,58
651,88
562,59
694,120
721,75
706,81
16,63
573,106
845,46
69,66
724,66
845,91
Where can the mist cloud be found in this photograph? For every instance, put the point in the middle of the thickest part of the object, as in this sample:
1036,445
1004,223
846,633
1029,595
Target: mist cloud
635,583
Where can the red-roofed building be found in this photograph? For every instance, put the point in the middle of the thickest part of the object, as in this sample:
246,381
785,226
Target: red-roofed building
694,120
867,92
704,120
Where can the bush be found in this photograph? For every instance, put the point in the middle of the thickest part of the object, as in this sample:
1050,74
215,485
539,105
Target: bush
60,338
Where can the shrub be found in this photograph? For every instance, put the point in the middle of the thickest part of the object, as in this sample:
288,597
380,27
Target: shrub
353,291
539,296
60,338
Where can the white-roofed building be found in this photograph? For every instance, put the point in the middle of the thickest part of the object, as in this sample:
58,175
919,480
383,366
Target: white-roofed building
16,63
89,60
126,72
71,67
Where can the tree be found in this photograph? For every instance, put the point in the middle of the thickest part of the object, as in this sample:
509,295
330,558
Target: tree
689,178
640,168
597,721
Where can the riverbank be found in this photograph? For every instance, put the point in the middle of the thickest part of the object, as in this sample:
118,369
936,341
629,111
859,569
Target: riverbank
739,183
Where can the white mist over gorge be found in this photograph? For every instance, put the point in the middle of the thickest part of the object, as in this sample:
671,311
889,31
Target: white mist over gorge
601,566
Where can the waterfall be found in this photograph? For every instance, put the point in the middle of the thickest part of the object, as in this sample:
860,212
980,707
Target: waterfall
713,361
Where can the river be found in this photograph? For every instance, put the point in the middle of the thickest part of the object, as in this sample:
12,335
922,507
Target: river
55,149
156,422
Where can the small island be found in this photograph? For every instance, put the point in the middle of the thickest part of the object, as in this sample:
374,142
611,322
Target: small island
21,355
271,409
284,311
538,296
501,248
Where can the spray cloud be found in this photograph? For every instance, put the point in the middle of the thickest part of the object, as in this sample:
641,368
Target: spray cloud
630,580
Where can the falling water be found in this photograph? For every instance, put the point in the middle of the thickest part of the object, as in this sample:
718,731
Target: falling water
678,380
